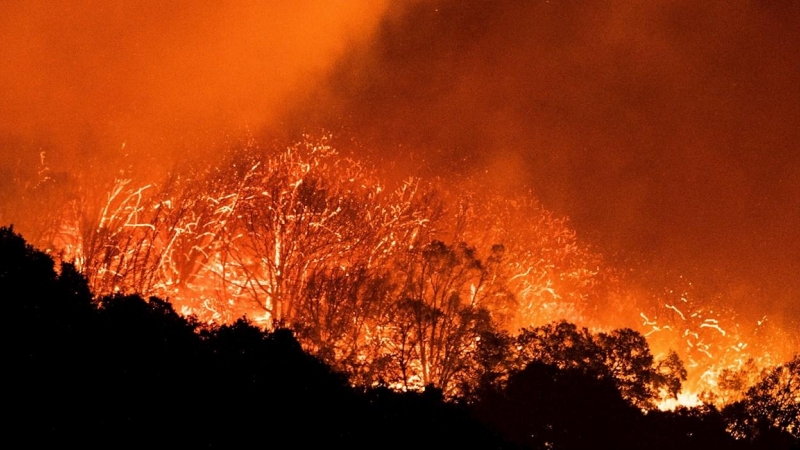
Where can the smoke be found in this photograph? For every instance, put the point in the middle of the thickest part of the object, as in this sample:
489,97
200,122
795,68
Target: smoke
667,131
149,84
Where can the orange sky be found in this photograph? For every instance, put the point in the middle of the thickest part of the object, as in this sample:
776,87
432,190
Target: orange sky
667,131
80,78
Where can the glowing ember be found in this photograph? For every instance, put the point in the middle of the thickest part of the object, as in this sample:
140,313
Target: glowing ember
391,285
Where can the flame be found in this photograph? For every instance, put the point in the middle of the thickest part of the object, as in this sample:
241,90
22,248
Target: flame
683,399
306,237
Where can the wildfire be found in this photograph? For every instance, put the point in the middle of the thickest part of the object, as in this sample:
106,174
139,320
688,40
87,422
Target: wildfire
388,284
683,399
724,353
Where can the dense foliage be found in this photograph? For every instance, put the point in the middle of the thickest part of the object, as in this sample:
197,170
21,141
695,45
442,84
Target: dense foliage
122,371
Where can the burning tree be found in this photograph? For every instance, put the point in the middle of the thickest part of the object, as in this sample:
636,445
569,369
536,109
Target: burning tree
343,317
296,219
395,285
311,212
547,272
245,236
440,313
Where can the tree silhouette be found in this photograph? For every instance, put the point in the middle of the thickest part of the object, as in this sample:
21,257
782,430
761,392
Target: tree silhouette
440,314
341,318
563,345
622,356
126,369
546,407
771,407
629,362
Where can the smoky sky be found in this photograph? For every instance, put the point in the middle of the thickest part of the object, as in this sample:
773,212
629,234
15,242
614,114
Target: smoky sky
667,131
166,79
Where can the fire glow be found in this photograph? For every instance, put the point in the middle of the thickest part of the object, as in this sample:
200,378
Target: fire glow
662,128
304,237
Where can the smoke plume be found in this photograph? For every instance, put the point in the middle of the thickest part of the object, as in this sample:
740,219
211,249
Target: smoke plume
666,131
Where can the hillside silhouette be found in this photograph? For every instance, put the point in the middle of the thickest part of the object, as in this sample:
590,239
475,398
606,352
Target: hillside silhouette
123,371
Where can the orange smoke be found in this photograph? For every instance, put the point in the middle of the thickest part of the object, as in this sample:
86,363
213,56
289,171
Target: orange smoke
667,133
81,78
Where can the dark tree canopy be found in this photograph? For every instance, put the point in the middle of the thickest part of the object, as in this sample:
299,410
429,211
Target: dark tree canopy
125,371
770,409
622,356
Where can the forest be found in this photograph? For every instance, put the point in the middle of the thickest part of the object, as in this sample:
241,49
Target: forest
123,370
378,224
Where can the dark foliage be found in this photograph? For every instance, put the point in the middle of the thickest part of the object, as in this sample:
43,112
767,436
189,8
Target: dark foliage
769,413
544,406
126,372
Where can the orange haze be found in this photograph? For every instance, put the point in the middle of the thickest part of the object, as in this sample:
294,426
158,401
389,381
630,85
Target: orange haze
167,79
667,131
